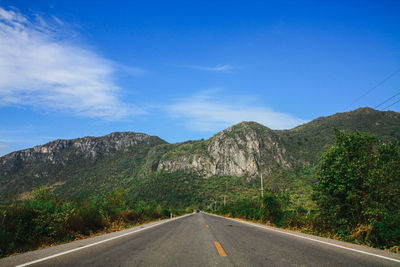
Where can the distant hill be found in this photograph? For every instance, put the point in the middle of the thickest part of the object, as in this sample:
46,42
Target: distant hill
235,158
88,163
308,141
249,148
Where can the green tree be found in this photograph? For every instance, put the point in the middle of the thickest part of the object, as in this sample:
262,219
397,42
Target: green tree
359,186
115,202
272,208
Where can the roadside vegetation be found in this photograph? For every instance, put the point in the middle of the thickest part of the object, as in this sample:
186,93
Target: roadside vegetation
356,196
48,219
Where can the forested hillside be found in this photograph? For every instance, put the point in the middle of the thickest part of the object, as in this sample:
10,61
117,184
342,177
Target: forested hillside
145,164
89,164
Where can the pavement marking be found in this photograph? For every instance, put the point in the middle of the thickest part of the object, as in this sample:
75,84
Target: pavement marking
221,251
309,238
207,226
103,241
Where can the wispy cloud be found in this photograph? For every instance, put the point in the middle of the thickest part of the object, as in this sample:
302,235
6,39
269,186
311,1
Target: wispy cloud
207,112
129,70
227,68
42,68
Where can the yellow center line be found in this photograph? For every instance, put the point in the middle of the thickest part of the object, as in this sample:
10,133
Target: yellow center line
221,251
207,226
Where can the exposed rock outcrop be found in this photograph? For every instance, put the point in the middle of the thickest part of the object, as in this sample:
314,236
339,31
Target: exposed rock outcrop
245,149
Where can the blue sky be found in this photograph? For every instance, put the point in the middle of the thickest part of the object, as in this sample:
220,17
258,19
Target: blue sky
187,69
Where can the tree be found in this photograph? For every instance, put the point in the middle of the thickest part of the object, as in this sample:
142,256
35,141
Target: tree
272,207
359,185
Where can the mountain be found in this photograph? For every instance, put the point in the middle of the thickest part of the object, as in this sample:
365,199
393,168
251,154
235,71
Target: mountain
88,162
248,148
308,141
193,170
245,149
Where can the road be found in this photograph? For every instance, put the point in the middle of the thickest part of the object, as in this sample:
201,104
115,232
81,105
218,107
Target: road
206,240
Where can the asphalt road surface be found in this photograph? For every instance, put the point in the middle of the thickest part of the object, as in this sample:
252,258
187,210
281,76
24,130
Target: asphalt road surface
205,240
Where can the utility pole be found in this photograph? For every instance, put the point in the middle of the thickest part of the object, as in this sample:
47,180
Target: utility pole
225,193
262,191
262,187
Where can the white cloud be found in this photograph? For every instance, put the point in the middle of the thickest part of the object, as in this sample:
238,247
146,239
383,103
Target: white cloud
41,68
206,112
129,70
222,68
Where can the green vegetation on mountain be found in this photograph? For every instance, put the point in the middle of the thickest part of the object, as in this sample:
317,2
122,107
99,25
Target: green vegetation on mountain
183,190
309,141
286,159
95,165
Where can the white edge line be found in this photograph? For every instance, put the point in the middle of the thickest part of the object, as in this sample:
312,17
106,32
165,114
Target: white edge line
308,238
99,242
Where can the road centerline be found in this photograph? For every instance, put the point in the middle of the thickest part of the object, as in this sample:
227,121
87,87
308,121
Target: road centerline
220,249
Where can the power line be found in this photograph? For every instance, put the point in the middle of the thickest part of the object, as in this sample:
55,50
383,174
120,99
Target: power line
393,104
387,100
374,87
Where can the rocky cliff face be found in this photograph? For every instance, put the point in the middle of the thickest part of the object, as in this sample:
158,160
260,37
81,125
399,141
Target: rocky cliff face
246,149
64,151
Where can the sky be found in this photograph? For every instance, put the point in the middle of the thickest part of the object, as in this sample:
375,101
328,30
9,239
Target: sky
184,70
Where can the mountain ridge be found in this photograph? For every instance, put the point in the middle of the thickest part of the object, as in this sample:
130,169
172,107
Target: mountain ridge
57,160
247,149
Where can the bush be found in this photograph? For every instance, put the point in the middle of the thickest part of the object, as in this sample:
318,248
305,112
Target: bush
88,218
130,216
270,210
